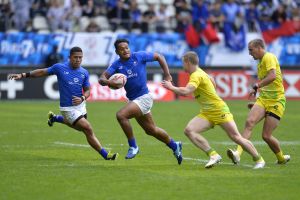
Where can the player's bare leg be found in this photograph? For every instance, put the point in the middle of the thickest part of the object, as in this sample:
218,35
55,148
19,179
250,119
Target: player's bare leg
270,125
193,131
232,131
255,115
129,111
83,125
147,123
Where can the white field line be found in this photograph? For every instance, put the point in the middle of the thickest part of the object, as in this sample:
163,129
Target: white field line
258,143
222,163
285,143
226,143
71,144
83,145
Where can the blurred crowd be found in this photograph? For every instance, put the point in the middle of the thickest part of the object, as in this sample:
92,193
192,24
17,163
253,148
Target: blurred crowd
143,16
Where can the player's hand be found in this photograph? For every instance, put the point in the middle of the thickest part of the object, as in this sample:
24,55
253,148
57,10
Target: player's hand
14,76
76,100
168,78
113,85
253,92
250,105
166,84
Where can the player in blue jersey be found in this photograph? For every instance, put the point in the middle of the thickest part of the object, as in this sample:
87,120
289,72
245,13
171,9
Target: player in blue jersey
140,102
74,89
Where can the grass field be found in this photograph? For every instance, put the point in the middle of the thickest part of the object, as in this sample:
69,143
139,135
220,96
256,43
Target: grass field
38,162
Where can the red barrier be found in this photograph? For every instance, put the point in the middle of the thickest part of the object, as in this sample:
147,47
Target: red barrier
235,84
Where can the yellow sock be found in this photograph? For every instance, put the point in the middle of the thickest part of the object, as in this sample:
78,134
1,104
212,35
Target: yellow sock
211,152
279,156
259,158
240,150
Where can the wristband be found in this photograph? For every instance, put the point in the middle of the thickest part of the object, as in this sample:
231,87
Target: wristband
255,87
27,74
82,98
22,76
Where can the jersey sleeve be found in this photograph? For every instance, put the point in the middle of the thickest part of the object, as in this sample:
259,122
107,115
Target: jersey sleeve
86,82
195,80
53,69
145,56
111,69
270,62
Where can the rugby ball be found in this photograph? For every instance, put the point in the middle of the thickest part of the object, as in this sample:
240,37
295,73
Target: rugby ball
119,79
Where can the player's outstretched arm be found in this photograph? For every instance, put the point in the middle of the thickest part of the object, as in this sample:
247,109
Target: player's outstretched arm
163,64
183,91
33,74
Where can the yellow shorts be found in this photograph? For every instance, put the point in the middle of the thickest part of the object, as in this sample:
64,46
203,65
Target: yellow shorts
216,118
276,107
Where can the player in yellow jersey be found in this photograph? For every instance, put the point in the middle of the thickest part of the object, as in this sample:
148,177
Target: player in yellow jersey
213,111
269,105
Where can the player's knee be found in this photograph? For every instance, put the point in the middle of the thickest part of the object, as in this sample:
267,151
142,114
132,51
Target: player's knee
188,132
250,123
88,130
120,116
266,137
151,131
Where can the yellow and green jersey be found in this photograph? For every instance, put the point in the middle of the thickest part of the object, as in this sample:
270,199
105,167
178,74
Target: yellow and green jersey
205,93
274,90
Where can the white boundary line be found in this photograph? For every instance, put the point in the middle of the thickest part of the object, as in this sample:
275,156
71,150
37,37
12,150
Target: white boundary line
222,163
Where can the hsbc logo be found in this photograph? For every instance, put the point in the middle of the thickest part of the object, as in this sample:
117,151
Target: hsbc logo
292,84
11,87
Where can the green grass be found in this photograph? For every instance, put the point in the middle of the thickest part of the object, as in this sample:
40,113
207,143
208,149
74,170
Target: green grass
38,162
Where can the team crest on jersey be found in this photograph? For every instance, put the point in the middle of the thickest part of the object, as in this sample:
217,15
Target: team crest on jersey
134,63
129,72
82,75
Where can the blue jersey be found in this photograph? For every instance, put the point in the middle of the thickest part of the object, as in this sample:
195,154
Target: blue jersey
135,70
70,81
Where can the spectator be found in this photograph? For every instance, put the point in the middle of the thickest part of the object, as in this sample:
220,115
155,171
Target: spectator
89,9
72,16
135,15
119,16
93,27
39,7
179,4
183,16
200,14
162,18
53,57
56,15
234,30
148,18
216,16
5,15
251,16
279,15
21,9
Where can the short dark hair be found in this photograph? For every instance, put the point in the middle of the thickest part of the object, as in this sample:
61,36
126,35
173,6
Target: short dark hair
75,49
118,41
191,57
257,43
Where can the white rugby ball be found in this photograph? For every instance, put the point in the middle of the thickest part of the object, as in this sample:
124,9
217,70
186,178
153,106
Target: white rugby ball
119,79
